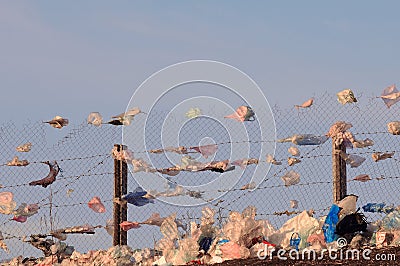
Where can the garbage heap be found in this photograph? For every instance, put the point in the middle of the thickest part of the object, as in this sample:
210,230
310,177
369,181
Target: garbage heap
242,236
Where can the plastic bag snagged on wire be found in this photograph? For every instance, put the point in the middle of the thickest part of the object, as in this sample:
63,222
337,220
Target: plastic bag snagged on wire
272,160
193,113
294,151
305,139
95,119
346,96
127,225
292,161
291,178
352,159
58,122
137,197
243,113
338,127
50,178
378,156
7,204
96,205
362,178
16,162
390,95
206,150
351,223
169,228
306,104
125,118
394,127
329,226
26,210
348,205
24,147
378,207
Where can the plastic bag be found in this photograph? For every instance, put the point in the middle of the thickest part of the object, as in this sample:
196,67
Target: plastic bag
306,104
58,122
305,139
7,204
378,156
243,113
348,205
352,159
95,119
378,207
96,205
294,151
390,95
394,127
291,178
329,226
24,148
346,96
391,221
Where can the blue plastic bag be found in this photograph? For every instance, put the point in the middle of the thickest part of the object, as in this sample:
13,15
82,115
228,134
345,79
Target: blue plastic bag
329,226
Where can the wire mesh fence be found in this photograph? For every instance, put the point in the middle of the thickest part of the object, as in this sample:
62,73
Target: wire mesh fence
84,156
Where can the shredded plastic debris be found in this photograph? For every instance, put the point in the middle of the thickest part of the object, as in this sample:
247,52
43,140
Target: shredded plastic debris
305,139
50,178
272,160
16,162
291,178
58,122
24,147
95,119
394,127
294,151
125,119
306,104
193,113
346,96
206,150
96,205
292,161
362,178
7,204
378,156
243,113
390,95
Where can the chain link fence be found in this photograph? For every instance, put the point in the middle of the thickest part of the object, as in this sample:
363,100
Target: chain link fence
84,156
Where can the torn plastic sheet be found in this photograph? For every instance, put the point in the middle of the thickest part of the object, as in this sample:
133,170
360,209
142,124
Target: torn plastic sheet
305,139
26,210
157,220
329,226
394,127
95,119
306,104
390,95
7,204
272,160
24,147
96,205
338,127
206,150
16,162
362,178
80,229
244,162
348,205
363,143
193,112
137,197
169,228
291,178
346,96
292,161
58,122
250,185
294,151
125,118
50,178
243,113
378,156
378,207
177,191
352,159
128,225
124,155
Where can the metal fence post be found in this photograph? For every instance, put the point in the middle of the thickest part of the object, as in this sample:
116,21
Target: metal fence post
123,191
117,195
338,172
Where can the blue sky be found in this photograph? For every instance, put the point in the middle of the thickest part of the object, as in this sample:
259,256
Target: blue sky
69,59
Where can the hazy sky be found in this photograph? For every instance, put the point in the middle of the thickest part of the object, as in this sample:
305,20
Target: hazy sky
59,58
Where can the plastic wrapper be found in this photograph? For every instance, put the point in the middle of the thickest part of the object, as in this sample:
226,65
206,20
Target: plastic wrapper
291,178
378,208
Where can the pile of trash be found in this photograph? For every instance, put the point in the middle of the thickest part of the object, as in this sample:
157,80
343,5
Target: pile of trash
241,236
